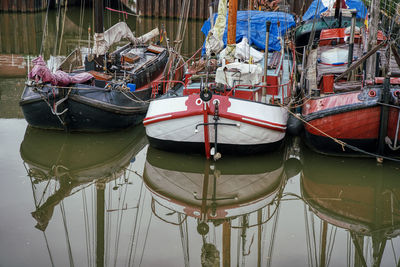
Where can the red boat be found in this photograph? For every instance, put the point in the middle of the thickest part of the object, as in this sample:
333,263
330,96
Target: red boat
344,113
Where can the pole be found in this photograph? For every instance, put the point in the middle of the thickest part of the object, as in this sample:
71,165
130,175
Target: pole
98,16
264,90
352,33
372,38
232,19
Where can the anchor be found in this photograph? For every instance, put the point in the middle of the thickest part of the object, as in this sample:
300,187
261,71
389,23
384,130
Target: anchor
216,118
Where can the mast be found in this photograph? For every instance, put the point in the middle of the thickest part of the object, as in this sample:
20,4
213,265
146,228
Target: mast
98,17
226,244
100,45
232,19
100,198
372,38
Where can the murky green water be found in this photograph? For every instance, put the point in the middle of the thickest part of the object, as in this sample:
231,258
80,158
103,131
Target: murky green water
110,200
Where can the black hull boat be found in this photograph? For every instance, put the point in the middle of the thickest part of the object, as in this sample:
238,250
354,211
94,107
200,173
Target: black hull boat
98,104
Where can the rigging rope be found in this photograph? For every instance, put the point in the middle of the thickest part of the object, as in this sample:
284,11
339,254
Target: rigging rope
48,248
64,218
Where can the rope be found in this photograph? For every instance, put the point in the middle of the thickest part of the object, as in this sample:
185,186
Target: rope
71,259
340,142
153,209
183,64
48,247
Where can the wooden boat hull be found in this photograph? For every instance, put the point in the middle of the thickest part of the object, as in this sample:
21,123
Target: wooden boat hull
353,118
94,108
100,111
177,124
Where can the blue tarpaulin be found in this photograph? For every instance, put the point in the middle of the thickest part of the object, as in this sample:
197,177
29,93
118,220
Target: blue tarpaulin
257,28
323,6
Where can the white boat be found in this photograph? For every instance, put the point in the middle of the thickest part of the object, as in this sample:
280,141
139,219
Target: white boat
229,109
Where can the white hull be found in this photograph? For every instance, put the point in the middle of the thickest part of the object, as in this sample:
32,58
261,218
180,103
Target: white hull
175,119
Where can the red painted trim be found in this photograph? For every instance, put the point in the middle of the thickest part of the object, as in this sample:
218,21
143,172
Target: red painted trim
206,133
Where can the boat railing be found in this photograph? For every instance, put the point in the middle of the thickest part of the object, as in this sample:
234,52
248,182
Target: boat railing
166,85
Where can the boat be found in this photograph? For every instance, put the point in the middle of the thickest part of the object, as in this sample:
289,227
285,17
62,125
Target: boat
111,91
358,197
223,104
322,15
217,197
347,109
69,162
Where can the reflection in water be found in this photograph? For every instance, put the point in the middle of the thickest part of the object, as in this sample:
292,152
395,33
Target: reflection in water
359,197
236,194
61,165
21,35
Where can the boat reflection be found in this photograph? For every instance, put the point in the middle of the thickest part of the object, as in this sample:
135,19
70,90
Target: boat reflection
355,195
236,193
69,162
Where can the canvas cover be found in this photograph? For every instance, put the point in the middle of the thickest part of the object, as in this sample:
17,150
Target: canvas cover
214,43
119,31
325,5
256,32
231,74
59,78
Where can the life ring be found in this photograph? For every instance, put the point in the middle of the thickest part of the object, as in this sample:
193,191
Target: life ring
397,93
371,93
205,95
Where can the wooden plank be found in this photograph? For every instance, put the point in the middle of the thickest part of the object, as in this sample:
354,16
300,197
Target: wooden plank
194,11
178,9
171,8
25,32
202,11
148,8
156,11
163,7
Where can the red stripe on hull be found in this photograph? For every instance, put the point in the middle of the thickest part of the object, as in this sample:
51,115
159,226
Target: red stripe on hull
194,109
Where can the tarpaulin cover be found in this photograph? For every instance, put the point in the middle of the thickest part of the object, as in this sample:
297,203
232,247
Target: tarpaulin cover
257,28
60,78
324,5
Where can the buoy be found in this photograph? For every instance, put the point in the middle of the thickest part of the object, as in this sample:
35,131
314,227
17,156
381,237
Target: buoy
294,126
